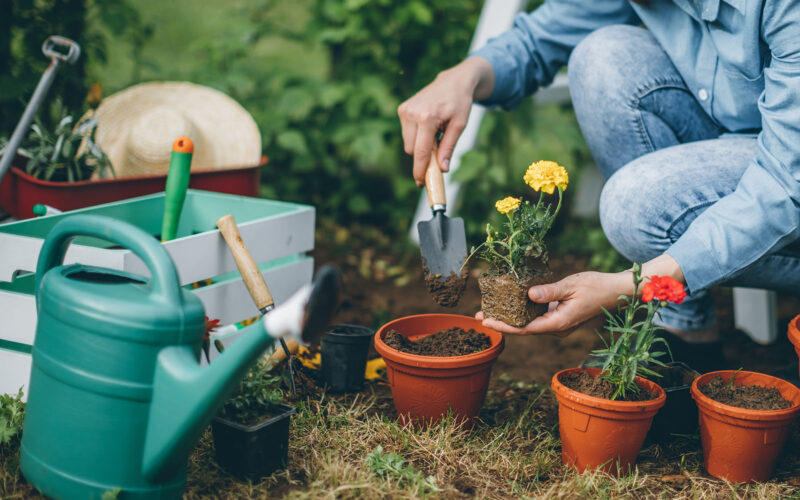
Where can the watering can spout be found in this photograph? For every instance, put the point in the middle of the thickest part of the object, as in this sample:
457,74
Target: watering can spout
186,395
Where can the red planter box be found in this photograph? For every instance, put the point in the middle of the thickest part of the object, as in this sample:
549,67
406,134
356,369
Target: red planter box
19,192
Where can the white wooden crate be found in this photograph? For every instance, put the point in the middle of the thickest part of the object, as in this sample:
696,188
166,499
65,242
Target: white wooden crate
277,234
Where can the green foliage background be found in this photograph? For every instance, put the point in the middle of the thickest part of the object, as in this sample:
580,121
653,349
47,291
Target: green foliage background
323,79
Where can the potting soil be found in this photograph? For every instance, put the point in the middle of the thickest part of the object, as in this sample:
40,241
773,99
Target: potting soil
448,291
453,342
601,388
751,397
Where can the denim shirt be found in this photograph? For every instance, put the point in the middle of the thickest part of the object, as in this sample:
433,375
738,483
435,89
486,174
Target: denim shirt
741,58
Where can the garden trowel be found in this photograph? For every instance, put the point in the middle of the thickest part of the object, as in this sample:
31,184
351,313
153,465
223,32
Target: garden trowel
442,242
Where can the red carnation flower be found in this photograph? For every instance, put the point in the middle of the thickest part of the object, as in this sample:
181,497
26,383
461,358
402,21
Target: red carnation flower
211,325
663,288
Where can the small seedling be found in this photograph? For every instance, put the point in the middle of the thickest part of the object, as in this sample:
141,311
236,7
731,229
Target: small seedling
394,465
730,382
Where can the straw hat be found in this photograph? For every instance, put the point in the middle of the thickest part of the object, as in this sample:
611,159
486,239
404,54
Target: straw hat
136,127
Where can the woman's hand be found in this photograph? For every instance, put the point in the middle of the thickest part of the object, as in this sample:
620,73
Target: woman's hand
443,104
580,297
573,301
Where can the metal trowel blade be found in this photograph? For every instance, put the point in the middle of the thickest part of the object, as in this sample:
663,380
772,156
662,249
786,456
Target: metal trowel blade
443,245
322,303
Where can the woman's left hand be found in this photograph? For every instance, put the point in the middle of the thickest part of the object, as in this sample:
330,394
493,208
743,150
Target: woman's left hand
573,301
580,297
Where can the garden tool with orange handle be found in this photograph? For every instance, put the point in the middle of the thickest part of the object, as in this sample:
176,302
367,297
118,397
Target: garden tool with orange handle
252,277
442,240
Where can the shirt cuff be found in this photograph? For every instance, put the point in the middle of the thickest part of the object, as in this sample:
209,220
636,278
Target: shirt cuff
698,263
503,77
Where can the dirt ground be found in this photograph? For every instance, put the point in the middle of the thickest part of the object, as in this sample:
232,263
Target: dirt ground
371,297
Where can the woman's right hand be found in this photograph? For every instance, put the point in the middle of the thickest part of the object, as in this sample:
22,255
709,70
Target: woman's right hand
443,104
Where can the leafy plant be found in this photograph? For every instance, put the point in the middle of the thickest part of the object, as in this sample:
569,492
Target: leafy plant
259,393
11,416
394,465
511,247
628,352
67,153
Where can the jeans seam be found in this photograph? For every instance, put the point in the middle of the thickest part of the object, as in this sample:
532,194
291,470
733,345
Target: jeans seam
643,91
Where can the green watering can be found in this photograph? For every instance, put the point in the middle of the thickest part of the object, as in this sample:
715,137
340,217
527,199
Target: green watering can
117,397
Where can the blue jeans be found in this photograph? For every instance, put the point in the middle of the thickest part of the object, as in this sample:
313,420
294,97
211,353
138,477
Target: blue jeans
664,158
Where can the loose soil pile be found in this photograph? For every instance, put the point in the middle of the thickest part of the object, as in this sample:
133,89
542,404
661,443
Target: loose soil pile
751,397
453,342
446,291
601,388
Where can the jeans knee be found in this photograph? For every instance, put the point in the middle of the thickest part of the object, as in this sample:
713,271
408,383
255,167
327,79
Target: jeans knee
600,64
627,217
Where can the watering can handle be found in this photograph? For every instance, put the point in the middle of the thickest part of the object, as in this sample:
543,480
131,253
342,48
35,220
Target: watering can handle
164,281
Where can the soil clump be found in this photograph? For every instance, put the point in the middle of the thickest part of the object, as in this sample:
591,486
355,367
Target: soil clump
601,388
751,397
505,297
453,342
446,291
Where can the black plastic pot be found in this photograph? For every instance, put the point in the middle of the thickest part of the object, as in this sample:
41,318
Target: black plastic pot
253,451
344,357
679,414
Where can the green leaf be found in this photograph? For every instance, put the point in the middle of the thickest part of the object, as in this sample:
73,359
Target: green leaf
293,141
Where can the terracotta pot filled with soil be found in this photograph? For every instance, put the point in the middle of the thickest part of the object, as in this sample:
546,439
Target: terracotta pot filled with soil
505,297
744,425
437,363
597,431
794,334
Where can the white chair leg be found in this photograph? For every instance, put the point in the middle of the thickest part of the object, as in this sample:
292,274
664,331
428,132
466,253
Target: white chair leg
754,314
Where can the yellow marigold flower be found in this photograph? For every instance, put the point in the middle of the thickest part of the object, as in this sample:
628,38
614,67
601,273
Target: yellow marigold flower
507,204
546,176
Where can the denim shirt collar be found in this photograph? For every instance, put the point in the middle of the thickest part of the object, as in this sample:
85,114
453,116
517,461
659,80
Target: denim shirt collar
709,9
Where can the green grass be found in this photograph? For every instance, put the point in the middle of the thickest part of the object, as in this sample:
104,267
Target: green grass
353,447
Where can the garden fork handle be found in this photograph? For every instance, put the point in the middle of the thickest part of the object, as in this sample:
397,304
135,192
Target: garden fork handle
73,52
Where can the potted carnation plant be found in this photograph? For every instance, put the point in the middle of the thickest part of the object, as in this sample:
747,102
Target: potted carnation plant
605,412
515,250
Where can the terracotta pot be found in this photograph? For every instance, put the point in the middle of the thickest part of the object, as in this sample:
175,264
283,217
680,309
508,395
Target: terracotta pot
794,334
426,388
743,445
597,432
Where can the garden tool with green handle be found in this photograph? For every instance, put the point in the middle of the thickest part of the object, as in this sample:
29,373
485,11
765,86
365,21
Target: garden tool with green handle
180,166
252,277
117,395
442,240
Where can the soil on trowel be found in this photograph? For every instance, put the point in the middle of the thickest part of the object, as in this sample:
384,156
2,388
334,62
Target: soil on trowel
505,297
446,291
672,376
601,388
751,397
453,342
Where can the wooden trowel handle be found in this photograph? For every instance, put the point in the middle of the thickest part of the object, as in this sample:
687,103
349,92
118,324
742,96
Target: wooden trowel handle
279,355
434,181
251,275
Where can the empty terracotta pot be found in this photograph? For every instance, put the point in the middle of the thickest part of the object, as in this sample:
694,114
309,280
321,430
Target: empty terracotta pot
597,432
426,388
794,334
743,445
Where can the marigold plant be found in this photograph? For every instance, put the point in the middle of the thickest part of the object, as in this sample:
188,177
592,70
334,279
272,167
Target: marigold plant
510,247
627,354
